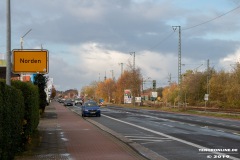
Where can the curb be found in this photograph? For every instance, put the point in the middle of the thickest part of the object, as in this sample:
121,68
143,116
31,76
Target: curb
149,154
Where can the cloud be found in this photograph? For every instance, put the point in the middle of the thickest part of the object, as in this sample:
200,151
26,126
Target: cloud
91,61
84,64
230,60
87,38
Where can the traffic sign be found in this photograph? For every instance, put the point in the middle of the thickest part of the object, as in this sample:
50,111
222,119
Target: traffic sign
206,97
30,61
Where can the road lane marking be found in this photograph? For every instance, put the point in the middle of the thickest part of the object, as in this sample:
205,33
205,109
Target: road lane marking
168,125
148,139
235,126
153,142
170,137
144,137
236,133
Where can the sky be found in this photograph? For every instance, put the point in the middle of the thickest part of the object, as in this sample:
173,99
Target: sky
88,39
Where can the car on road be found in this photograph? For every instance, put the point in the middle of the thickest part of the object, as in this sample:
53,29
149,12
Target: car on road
68,102
61,100
91,108
78,101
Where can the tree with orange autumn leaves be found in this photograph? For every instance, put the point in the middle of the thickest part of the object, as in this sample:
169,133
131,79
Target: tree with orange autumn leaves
111,90
223,88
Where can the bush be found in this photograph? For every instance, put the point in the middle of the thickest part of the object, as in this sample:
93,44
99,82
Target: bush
19,116
40,81
11,121
31,104
1,119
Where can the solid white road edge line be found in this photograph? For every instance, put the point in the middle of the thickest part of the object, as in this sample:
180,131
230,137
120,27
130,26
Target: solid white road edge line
171,137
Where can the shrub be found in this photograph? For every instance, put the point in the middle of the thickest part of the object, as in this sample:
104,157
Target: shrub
40,81
11,121
31,105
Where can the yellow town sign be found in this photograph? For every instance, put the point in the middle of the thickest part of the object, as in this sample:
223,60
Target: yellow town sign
30,61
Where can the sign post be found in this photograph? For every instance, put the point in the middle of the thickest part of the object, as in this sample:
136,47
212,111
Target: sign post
206,99
127,96
30,61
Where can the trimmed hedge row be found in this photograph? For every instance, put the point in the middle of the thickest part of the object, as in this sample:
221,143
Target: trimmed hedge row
11,121
19,116
31,104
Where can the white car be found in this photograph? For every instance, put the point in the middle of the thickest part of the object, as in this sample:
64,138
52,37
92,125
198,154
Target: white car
78,101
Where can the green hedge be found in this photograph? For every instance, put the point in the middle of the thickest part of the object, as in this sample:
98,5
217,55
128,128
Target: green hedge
19,116
31,104
11,121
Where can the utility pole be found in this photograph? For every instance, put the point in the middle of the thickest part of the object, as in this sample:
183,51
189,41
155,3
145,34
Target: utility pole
133,53
206,97
208,76
179,62
8,44
169,79
113,78
105,77
132,88
121,68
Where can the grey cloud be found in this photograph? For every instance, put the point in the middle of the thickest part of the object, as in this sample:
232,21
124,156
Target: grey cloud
123,26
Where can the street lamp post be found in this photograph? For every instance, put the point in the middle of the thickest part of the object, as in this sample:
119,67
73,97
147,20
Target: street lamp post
21,43
8,44
21,39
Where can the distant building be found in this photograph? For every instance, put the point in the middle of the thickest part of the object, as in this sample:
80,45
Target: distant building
2,60
3,68
3,64
3,74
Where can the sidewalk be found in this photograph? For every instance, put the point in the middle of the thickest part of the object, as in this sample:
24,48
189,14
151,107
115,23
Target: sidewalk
65,135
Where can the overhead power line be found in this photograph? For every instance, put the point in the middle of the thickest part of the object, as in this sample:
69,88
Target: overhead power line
194,26
160,42
212,19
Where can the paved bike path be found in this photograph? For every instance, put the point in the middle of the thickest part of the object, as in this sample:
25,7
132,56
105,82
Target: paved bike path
65,135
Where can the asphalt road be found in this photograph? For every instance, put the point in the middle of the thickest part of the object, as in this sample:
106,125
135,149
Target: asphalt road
174,136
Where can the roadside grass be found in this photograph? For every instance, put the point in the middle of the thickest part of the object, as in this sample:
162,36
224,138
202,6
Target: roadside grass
185,111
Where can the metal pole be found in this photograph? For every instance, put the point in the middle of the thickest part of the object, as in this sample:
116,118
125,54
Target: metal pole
133,59
179,62
8,44
121,68
208,76
21,39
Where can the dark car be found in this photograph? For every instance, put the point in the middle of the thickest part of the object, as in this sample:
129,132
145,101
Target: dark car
91,108
68,102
